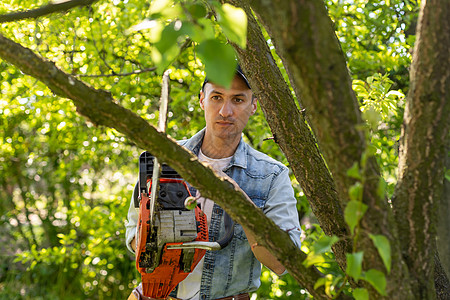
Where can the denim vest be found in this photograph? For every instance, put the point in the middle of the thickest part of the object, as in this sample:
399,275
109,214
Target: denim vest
234,269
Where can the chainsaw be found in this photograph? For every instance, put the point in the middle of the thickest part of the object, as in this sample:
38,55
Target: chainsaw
172,241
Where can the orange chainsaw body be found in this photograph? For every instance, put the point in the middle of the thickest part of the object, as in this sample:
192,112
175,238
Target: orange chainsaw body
161,268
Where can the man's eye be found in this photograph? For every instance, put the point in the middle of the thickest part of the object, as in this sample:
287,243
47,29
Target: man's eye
215,97
239,100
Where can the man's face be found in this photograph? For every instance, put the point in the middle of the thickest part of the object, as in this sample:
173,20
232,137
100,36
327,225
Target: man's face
227,110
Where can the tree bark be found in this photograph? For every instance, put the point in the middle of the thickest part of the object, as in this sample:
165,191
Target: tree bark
423,145
443,221
441,282
100,108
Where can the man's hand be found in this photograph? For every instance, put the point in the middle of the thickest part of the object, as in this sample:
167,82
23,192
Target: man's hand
133,244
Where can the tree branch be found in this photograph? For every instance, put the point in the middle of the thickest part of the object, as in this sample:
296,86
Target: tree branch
56,6
117,74
101,109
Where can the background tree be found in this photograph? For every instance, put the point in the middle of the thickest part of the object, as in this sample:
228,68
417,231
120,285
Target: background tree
59,171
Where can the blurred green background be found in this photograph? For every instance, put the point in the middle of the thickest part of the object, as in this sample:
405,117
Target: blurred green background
66,184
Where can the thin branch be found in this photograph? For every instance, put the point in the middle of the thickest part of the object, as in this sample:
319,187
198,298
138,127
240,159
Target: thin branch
52,7
117,74
101,54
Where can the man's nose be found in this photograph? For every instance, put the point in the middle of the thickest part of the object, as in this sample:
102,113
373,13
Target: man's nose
226,110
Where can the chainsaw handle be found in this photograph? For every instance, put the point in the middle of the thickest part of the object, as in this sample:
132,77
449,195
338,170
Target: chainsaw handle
212,246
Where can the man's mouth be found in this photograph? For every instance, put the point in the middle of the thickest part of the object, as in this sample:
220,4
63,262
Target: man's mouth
224,123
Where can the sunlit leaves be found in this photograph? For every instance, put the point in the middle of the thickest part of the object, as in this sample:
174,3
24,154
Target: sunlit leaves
374,35
382,109
376,96
322,245
233,21
169,24
326,281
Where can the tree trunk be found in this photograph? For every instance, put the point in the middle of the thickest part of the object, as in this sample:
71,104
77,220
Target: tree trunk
423,145
443,221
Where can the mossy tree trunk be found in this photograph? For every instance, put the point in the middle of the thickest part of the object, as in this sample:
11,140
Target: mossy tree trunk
423,147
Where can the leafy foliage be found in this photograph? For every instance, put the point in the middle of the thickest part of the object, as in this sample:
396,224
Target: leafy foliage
66,184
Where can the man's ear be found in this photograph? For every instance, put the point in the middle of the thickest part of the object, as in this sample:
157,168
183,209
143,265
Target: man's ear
254,105
201,99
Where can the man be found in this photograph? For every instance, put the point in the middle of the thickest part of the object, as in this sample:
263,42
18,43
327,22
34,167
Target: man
233,272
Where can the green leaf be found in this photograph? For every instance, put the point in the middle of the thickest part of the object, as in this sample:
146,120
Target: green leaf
356,191
321,281
325,281
381,190
354,211
377,279
360,294
354,264
447,174
199,32
313,259
372,117
219,60
370,151
324,244
233,21
164,9
354,172
158,6
399,94
197,10
384,248
167,46
169,37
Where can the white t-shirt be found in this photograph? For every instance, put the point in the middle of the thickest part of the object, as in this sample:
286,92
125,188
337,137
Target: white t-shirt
189,289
